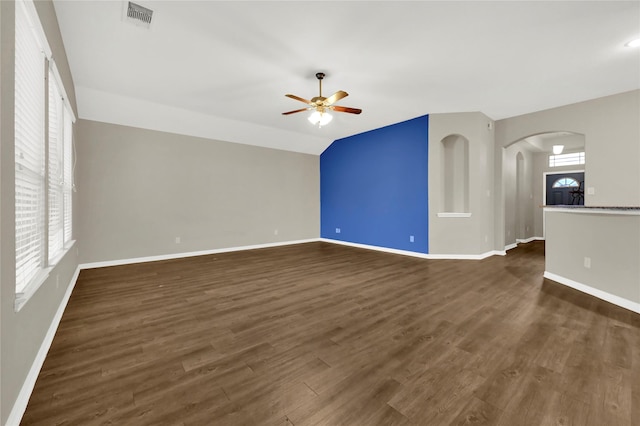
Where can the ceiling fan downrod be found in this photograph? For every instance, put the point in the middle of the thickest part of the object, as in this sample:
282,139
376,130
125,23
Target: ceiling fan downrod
320,76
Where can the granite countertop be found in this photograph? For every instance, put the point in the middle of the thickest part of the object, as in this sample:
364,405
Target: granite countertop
560,206
597,210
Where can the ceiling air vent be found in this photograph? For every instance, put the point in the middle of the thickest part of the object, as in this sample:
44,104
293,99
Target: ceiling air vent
138,15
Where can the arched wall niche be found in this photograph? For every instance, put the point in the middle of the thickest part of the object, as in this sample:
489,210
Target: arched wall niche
455,174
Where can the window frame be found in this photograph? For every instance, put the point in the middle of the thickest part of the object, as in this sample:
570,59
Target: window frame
572,180
29,37
567,159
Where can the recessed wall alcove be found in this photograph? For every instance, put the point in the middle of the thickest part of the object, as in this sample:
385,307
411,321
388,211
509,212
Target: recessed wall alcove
455,175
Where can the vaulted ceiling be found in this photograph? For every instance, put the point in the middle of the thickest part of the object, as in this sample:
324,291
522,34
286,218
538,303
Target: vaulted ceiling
221,69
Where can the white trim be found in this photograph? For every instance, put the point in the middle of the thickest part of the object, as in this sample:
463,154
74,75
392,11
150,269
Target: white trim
36,26
61,88
377,248
608,297
20,405
451,214
528,240
510,246
467,256
189,254
414,253
23,296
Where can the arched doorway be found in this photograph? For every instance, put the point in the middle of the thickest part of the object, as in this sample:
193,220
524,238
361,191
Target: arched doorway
526,163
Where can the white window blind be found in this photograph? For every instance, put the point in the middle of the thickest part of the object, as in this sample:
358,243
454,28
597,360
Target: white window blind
56,171
68,174
29,151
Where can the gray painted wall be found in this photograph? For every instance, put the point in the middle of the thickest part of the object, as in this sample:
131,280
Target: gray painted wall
471,235
23,332
612,242
611,126
518,187
140,189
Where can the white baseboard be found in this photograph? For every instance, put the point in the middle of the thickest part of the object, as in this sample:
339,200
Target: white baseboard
19,407
611,298
189,254
510,246
467,256
376,248
416,254
528,240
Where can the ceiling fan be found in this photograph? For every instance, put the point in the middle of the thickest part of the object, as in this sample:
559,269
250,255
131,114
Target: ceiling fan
322,105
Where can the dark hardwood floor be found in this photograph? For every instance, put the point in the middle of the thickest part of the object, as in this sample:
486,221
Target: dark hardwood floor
322,334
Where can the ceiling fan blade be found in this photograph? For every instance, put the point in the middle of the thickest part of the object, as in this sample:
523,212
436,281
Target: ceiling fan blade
335,97
298,98
346,109
294,111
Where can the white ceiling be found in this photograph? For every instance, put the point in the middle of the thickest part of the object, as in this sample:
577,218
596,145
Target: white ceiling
222,68
544,142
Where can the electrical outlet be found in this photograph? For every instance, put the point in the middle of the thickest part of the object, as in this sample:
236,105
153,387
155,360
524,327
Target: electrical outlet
587,262
411,239
275,232
591,190
337,230
178,240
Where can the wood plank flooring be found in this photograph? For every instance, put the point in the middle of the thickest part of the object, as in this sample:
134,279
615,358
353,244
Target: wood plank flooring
322,334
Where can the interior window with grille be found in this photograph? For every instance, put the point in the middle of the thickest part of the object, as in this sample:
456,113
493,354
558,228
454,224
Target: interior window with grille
569,159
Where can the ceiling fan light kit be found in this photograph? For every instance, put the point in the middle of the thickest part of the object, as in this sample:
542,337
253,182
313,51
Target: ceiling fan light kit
321,105
320,118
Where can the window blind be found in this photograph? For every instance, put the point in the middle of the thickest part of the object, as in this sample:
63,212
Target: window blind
56,171
68,174
29,151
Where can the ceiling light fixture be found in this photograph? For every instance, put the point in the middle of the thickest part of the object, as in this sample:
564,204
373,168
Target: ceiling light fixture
633,43
321,105
557,149
320,118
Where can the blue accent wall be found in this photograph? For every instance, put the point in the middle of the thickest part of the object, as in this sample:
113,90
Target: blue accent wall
374,188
